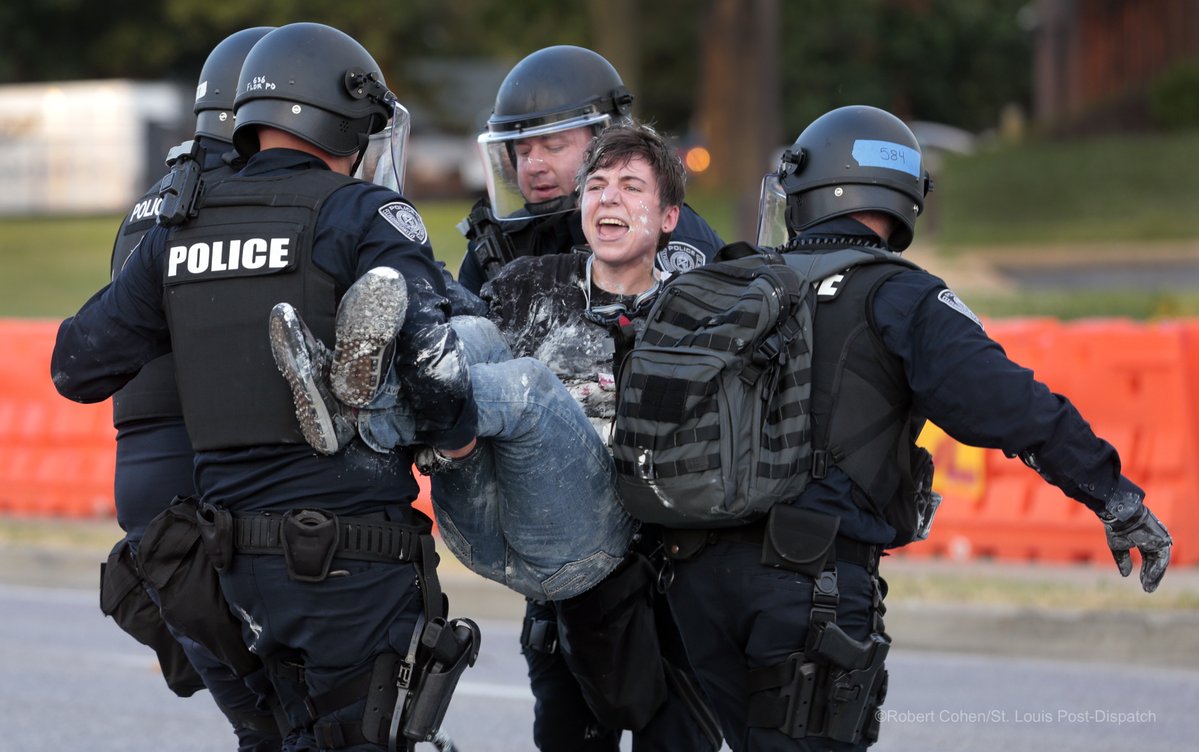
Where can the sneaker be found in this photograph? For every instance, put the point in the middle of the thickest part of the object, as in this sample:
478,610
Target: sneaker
304,361
368,319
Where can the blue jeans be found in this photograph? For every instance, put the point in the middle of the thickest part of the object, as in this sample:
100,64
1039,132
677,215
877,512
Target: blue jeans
534,507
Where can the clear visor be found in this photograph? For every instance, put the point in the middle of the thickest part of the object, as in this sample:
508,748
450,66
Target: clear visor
772,213
386,158
498,154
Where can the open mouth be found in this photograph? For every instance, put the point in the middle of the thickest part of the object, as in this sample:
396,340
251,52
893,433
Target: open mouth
611,228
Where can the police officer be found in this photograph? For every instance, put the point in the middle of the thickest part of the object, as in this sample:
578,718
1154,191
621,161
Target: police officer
154,455
792,655
322,558
547,109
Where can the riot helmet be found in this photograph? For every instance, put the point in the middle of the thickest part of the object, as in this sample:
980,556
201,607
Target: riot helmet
851,159
218,83
319,84
551,91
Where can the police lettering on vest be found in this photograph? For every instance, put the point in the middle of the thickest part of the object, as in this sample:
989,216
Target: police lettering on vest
145,209
224,257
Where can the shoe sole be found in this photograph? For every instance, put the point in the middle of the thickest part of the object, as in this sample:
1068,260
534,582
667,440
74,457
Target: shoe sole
370,316
293,357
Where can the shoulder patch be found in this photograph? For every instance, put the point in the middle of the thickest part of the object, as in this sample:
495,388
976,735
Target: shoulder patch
953,301
406,219
678,257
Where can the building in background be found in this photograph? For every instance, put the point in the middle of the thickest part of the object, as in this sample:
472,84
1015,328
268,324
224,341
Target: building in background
1095,61
85,147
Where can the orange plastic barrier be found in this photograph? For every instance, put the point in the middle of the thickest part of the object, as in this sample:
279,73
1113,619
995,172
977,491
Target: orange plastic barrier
1138,384
57,457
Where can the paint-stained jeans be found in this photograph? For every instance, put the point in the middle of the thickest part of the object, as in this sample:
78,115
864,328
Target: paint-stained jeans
534,507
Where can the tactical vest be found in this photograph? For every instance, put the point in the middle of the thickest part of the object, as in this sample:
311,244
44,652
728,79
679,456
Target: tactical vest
152,393
861,403
249,248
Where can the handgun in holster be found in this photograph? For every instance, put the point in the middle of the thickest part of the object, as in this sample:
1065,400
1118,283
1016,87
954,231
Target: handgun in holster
856,684
423,683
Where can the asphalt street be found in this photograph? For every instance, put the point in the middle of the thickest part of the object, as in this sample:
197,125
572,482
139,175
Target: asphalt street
964,676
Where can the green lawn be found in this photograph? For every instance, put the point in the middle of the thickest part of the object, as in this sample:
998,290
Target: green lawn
1136,189
1142,188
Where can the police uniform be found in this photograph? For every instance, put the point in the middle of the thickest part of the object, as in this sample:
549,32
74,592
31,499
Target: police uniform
692,243
903,345
285,228
154,464
547,308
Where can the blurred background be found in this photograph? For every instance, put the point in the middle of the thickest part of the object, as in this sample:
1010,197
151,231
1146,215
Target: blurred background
1062,136
1061,133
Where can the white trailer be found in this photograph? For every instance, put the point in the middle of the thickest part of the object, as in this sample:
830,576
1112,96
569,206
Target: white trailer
85,147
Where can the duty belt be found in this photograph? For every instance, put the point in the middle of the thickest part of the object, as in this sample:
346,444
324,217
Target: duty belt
360,538
844,549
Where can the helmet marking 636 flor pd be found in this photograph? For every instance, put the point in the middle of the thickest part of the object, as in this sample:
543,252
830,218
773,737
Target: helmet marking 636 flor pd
319,84
552,90
851,159
218,82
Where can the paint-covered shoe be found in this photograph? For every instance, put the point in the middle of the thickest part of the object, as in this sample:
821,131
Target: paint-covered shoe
368,320
327,425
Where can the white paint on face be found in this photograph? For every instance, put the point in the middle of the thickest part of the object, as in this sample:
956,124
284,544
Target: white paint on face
623,220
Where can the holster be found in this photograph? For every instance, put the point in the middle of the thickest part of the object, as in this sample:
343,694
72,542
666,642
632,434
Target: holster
123,596
449,649
310,538
409,696
798,539
857,683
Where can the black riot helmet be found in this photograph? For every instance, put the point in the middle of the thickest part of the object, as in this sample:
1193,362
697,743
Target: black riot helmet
555,84
848,160
552,90
218,83
314,82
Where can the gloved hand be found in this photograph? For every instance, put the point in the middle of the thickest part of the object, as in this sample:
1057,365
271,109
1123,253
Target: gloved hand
1148,535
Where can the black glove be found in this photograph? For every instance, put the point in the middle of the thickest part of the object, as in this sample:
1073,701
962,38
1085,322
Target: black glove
1149,536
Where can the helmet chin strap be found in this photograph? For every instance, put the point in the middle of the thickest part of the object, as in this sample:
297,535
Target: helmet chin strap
552,206
363,141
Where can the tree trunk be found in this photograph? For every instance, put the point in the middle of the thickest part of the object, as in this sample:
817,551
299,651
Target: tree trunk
738,103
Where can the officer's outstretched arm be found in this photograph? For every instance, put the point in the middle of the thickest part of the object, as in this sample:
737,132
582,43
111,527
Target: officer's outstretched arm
1147,534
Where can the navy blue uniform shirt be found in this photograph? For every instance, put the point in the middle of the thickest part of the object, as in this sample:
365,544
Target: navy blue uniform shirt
963,381
124,326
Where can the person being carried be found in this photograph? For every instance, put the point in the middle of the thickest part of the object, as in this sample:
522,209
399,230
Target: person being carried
534,506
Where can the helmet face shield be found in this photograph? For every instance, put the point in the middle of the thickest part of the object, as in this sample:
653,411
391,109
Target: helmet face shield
772,213
385,159
497,150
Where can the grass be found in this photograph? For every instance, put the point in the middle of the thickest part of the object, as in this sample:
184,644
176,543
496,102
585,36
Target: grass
1140,306
1130,190
1140,188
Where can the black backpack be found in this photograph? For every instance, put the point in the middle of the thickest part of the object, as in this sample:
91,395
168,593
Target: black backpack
714,425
